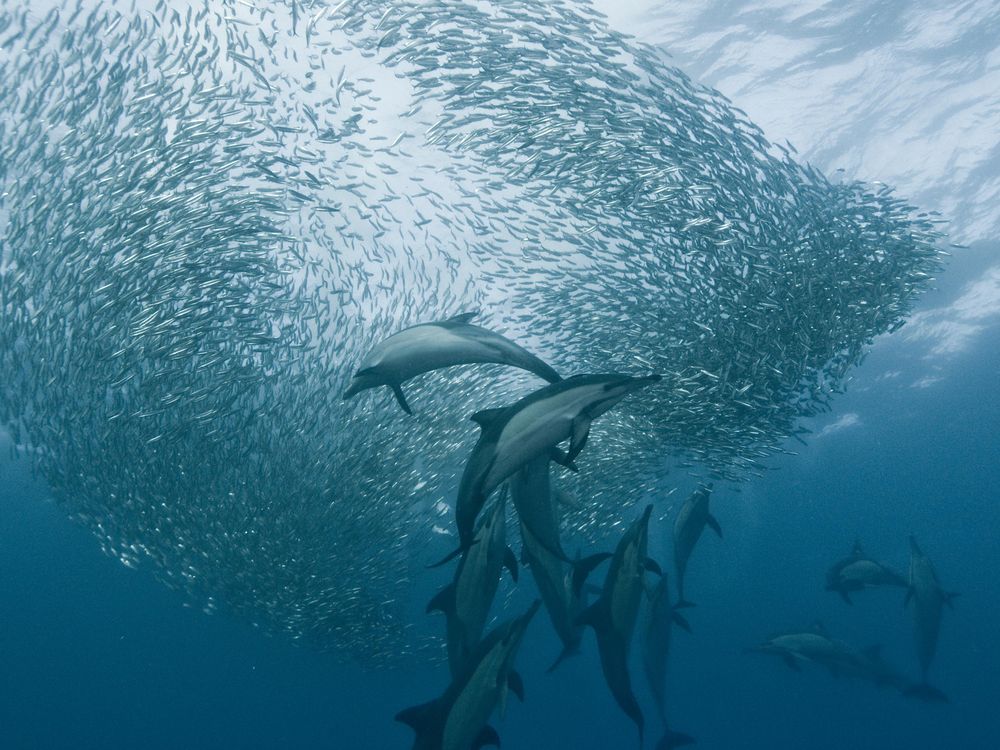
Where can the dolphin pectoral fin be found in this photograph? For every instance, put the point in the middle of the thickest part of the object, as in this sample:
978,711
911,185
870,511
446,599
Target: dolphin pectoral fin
845,596
443,601
462,318
949,598
557,456
653,567
487,737
516,684
713,524
451,556
927,693
510,562
419,718
484,417
792,664
365,371
909,595
400,398
680,621
579,432
582,569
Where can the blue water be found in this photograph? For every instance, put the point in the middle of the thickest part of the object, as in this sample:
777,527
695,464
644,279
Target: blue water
96,655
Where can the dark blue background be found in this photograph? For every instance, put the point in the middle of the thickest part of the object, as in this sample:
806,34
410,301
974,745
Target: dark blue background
94,655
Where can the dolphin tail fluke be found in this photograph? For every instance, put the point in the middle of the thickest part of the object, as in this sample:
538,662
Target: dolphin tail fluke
570,650
672,739
927,693
487,737
401,399
713,524
582,568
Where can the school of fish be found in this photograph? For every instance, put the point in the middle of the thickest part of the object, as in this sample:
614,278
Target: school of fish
212,212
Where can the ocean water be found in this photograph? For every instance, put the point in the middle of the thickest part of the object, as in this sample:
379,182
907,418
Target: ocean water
195,642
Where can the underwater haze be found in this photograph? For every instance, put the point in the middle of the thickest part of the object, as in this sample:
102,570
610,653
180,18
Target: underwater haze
718,284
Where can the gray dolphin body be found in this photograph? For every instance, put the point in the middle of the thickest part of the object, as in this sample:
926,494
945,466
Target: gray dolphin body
841,659
613,616
530,428
928,599
690,522
661,618
457,720
858,572
531,491
466,601
433,346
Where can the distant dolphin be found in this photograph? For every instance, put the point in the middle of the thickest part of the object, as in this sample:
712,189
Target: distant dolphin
857,573
531,491
457,720
613,616
467,599
433,346
661,618
928,599
690,522
532,427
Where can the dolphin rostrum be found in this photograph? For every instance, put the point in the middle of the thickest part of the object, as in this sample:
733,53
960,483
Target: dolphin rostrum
661,618
433,346
613,616
858,572
467,599
457,720
534,426
928,600
531,491
690,522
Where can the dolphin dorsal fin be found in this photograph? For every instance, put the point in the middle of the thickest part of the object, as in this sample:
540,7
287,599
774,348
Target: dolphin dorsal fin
463,318
857,550
819,628
484,417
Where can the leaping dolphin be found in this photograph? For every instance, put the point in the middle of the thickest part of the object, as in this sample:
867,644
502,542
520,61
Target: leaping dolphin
613,616
457,720
534,426
690,522
433,346
928,599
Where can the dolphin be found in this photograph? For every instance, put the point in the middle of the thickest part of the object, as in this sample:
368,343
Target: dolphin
661,617
613,616
457,720
690,522
467,599
433,346
531,491
534,426
841,659
928,604
857,573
